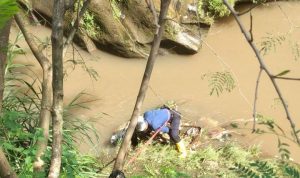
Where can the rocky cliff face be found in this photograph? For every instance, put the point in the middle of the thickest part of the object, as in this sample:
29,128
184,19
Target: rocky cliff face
126,27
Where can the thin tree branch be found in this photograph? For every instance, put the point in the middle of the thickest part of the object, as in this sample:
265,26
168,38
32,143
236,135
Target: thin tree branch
46,102
75,27
118,166
152,9
248,10
263,67
31,43
251,26
286,78
255,100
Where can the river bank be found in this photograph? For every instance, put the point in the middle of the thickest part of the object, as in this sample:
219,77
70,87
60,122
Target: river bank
180,78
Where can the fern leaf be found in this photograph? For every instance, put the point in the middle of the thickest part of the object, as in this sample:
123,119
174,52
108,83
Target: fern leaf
271,42
291,171
221,81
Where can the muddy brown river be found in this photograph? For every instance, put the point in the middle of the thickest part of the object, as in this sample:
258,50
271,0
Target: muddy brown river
180,78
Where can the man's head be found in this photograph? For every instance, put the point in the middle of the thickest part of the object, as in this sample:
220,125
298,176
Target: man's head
142,124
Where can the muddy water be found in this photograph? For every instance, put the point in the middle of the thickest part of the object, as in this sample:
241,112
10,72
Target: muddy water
180,78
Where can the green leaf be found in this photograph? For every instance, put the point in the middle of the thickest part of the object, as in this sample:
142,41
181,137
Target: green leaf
7,9
282,73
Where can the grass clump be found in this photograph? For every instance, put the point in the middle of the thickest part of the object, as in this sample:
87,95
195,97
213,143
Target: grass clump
213,160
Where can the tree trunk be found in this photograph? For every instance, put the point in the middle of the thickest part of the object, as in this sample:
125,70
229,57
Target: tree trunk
5,170
143,88
57,86
4,37
45,113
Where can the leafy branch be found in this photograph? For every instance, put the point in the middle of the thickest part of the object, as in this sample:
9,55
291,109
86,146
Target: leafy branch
270,42
264,68
220,81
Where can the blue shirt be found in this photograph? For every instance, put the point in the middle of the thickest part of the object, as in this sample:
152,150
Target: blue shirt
156,118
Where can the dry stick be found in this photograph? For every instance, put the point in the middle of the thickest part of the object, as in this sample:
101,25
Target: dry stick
46,102
76,25
57,86
143,88
263,67
255,99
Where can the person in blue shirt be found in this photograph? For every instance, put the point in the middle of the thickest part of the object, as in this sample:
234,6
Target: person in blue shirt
154,119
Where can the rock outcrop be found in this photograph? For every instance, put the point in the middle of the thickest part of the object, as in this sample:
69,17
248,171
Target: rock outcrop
126,27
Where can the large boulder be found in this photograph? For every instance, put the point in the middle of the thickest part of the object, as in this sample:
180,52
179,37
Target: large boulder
126,27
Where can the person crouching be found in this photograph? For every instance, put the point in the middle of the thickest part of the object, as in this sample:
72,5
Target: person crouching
168,119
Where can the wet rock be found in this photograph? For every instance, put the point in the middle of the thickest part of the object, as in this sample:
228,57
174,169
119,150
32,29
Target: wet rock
126,28
181,40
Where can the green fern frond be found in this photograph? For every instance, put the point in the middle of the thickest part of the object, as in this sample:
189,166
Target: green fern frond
264,168
220,81
245,171
283,150
291,171
270,42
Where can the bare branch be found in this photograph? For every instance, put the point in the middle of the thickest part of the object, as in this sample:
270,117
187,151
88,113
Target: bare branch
152,9
76,24
248,10
46,102
286,78
255,100
263,67
118,166
42,59
251,26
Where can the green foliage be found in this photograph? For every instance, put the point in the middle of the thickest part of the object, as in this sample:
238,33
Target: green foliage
291,171
208,10
217,8
213,160
282,73
283,150
19,128
270,42
115,8
7,9
88,23
269,123
259,169
220,81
